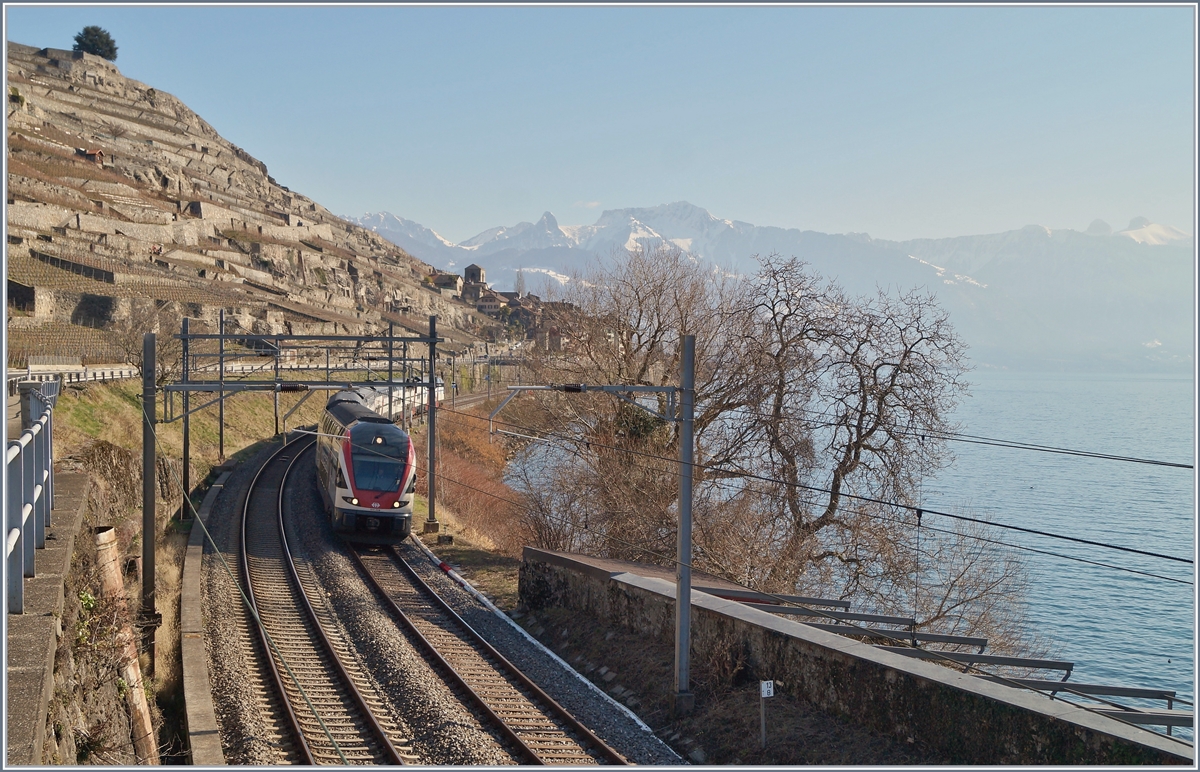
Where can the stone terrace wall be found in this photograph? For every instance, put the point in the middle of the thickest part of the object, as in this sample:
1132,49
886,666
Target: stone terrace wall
972,720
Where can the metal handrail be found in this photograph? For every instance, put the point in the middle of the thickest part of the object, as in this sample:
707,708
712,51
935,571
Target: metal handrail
30,475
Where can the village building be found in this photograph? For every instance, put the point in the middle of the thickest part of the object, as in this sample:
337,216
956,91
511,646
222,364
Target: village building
475,284
95,155
453,283
489,303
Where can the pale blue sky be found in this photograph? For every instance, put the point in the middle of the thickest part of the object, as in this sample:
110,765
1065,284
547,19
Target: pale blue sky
900,121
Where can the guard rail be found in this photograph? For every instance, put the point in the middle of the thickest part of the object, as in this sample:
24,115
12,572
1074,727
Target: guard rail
30,496
74,376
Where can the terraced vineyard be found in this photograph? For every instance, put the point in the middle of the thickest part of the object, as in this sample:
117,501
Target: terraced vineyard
121,199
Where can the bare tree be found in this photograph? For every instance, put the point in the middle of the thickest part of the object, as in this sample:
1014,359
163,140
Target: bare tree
161,318
853,398
625,320
818,414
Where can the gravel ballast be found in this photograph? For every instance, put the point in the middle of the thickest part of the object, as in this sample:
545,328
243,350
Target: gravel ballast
434,723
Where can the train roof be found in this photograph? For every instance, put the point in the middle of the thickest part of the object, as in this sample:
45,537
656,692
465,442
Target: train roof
347,408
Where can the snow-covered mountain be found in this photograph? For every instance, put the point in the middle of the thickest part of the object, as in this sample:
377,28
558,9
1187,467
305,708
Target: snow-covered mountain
1028,297
413,237
1143,231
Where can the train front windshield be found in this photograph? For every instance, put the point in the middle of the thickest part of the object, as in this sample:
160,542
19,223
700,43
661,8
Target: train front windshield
379,453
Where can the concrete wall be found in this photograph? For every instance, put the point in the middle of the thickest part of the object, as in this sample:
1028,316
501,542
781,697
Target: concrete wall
158,234
210,211
972,720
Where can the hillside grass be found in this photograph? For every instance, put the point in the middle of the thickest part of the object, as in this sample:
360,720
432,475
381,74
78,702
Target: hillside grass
111,412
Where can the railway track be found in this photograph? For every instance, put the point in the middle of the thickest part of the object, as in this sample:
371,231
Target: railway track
538,729
331,720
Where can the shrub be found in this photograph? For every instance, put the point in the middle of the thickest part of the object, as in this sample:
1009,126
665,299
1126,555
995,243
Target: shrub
96,40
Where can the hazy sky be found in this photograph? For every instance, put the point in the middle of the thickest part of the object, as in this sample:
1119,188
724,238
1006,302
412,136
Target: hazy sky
899,121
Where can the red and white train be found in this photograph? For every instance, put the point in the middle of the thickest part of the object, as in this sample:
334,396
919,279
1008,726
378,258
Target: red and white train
366,470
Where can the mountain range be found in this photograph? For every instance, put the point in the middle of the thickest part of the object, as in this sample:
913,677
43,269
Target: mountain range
1027,298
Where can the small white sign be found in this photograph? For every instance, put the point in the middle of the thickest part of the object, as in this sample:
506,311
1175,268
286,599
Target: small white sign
768,688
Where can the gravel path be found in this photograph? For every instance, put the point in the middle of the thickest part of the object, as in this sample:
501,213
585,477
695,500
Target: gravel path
439,728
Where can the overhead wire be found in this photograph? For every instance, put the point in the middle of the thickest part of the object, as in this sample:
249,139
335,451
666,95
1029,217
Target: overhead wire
1052,694
817,489
980,440
725,484
832,616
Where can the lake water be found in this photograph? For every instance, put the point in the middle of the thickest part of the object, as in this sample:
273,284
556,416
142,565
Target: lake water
1118,628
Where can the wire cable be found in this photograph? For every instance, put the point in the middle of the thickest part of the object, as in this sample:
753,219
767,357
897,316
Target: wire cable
872,632
980,440
869,499
778,497
245,599
817,612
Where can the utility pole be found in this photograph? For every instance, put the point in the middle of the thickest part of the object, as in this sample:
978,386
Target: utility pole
221,392
187,425
391,375
683,701
277,386
431,523
149,528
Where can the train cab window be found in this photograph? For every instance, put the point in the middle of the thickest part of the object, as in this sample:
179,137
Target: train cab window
379,454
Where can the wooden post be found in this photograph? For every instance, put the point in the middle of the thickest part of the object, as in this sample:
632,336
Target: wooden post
221,379
149,527
145,744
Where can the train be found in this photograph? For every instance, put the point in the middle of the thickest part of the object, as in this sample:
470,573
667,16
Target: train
410,395
366,468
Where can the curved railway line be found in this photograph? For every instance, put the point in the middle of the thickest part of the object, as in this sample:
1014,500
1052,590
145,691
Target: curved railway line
332,721
538,729
318,703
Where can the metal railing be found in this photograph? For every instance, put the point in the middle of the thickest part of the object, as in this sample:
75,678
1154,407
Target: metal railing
76,376
42,360
30,498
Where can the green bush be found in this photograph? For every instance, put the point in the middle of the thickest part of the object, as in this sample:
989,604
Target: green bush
96,40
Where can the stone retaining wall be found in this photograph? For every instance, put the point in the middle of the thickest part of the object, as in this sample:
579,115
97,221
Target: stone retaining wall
972,720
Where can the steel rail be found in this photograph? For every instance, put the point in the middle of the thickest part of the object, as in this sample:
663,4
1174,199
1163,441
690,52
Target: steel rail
381,734
529,755
377,744
592,745
293,720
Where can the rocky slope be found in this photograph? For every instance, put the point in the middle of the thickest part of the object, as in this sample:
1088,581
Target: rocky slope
119,195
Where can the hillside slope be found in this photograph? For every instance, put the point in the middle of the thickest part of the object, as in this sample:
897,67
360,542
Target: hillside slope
119,195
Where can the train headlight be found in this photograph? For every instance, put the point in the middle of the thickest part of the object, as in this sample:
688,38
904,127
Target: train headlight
396,504
354,501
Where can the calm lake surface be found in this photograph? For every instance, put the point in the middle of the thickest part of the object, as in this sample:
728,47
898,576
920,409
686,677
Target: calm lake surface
1117,627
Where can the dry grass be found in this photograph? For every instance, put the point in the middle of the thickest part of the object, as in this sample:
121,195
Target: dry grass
474,556
112,411
471,469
